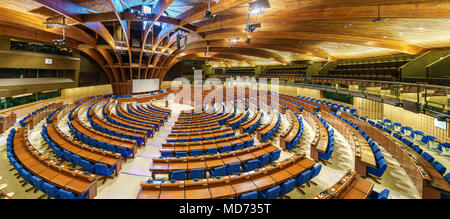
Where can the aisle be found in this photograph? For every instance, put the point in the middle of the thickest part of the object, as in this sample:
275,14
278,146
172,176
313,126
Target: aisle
127,184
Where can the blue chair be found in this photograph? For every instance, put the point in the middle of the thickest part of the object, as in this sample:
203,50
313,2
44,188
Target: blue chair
218,171
439,167
378,172
447,177
233,168
264,160
239,146
110,147
124,152
211,151
428,157
86,165
287,187
271,193
178,175
275,155
196,152
103,169
379,195
181,154
226,148
250,165
38,183
63,194
67,155
250,195
50,190
198,173
316,170
167,153
302,179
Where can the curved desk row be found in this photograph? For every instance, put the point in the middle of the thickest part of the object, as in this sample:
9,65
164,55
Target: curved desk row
200,136
228,186
350,186
209,162
235,142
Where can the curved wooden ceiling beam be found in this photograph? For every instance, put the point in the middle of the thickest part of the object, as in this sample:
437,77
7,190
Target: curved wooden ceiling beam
366,41
234,57
241,51
7,29
265,45
99,59
159,9
418,10
196,13
117,8
72,10
36,22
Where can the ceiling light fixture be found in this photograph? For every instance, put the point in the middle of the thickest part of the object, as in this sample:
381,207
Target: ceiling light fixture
233,40
208,13
257,7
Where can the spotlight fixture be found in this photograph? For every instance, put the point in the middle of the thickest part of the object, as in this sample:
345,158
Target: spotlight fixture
379,19
257,7
251,28
233,40
55,25
59,42
208,13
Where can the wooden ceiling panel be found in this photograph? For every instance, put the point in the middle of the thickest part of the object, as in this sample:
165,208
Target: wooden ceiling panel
291,30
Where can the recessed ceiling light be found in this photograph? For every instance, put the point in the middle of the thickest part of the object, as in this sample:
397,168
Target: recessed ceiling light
385,37
420,28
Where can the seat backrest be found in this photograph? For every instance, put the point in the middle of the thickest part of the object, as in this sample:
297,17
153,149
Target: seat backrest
198,173
264,159
384,194
220,171
196,152
250,195
181,154
178,175
447,177
275,155
210,151
63,194
272,193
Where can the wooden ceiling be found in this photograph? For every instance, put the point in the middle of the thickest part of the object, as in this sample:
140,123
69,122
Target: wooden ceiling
291,30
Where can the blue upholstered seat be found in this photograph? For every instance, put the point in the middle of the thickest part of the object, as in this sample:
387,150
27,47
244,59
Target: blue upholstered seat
250,165
265,159
198,173
233,168
168,153
218,171
103,169
196,152
181,154
178,175
287,187
271,193
275,155
250,195
50,190
211,151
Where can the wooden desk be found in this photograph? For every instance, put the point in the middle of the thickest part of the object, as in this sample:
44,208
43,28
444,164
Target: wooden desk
349,186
